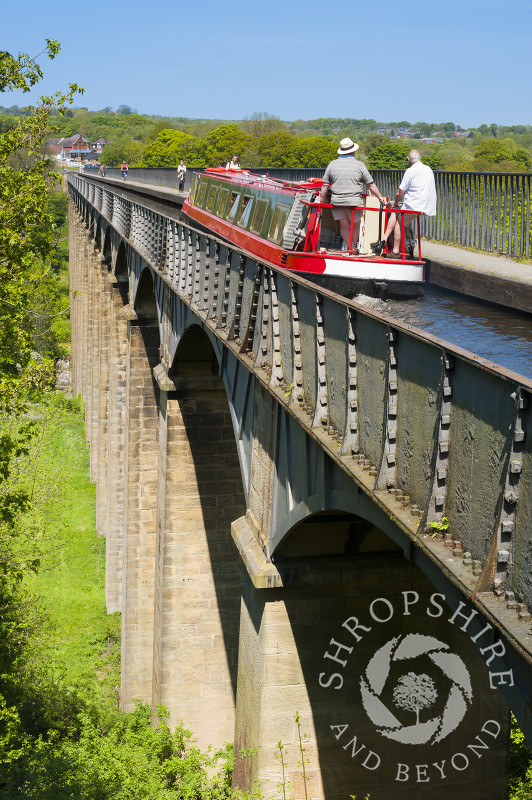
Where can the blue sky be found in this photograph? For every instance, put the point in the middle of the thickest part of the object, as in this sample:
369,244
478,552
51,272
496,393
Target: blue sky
458,60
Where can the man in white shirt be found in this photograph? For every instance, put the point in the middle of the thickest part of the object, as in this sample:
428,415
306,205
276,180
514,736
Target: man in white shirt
417,192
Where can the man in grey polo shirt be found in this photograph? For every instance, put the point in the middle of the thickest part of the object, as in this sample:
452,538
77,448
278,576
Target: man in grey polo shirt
347,179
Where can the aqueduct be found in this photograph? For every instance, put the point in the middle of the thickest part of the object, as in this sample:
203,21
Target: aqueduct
268,458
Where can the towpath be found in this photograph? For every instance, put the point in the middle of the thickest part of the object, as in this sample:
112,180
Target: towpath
485,276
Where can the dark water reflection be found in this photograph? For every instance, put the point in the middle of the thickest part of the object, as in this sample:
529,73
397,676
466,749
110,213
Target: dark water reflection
503,336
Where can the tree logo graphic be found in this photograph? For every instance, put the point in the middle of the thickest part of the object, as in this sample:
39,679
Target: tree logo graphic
415,692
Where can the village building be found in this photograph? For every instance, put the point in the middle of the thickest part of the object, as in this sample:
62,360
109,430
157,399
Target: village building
76,148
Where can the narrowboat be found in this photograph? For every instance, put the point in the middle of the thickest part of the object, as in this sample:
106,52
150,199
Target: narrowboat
284,223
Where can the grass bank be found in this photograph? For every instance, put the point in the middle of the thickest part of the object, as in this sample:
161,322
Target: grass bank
61,735
82,640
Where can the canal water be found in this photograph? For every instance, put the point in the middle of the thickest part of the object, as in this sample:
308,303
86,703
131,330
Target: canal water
490,331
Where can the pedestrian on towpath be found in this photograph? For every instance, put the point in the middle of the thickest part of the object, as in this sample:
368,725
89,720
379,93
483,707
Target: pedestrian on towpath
181,172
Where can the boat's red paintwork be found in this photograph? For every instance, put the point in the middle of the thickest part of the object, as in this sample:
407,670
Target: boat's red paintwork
308,258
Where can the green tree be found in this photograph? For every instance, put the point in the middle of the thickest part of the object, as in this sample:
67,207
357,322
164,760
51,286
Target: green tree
316,151
424,128
392,155
434,160
28,244
130,760
373,141
447,127
123,149
520,765
157,128
225,142
27,238
167,148
280,149
260,123
29,221
496,151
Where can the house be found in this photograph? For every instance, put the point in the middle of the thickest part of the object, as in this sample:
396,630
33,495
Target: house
70,147
83,155
100,144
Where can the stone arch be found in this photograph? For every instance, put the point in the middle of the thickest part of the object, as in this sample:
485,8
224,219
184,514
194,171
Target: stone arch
308,481
98,234
106,248
194,354
92,223
334,533
145,302
121,268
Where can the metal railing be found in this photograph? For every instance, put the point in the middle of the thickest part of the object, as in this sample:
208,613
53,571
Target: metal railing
486,210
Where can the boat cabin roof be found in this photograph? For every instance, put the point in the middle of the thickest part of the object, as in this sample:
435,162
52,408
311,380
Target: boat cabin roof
249,179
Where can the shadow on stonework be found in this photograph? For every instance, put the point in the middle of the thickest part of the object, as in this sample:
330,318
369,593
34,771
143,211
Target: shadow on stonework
391,693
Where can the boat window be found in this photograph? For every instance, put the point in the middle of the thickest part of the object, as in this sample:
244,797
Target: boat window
222,203
193,187
245,211
201,195
280,215
233,206
211,198
258,217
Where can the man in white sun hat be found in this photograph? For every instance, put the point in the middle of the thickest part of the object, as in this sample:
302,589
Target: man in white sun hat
347,179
